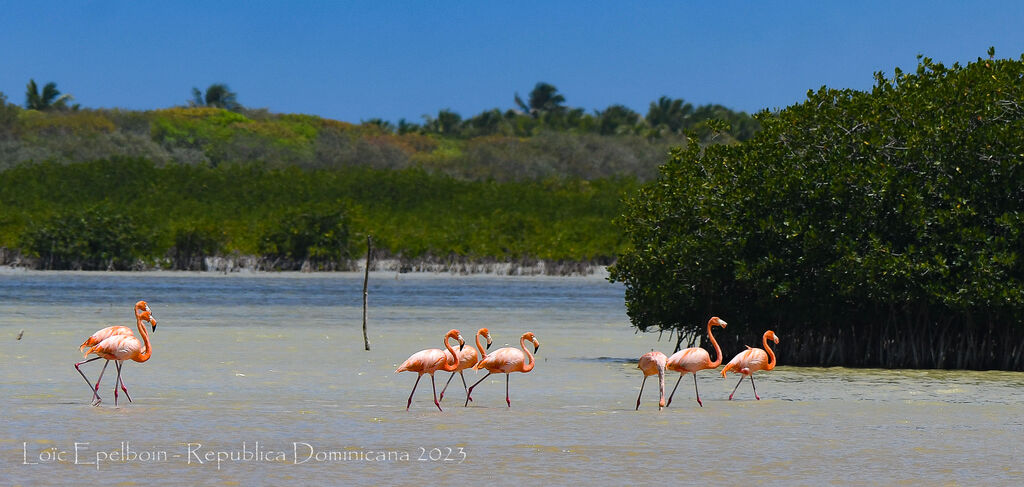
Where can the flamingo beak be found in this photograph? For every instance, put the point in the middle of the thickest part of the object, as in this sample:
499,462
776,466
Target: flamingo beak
536,346
488,343
152,322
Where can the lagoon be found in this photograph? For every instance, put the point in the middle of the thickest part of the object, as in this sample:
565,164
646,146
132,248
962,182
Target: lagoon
262,378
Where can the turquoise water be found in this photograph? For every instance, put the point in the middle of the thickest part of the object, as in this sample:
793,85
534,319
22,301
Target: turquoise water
278,360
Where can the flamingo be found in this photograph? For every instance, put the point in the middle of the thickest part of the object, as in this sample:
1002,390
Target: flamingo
695,359
468,358
141,307
651,363
507,360
751,360
125,347
431,360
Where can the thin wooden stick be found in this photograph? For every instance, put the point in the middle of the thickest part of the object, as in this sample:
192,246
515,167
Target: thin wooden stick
366,280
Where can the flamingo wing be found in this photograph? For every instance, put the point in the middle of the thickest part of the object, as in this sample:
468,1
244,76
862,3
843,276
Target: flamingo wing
503,360
650,361
424,361
117,347
103,334
689,360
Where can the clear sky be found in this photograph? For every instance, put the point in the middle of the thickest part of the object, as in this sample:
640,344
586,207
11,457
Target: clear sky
354,61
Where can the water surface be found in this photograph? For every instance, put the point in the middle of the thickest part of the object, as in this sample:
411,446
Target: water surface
278,359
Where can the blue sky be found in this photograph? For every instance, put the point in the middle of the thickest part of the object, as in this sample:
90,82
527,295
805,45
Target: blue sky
354,61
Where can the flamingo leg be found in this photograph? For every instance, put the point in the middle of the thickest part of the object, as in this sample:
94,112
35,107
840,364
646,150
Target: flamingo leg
469,392
695,390
413,391
669,403
121,380
641,393
445,388
100,378
436,403
464,384
117,381
755,387
737,387
507,399
95,396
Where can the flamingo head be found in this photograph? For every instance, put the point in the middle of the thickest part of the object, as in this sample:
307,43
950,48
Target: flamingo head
716,321
486,334
456,335
770,335
141,306
529,336
148,316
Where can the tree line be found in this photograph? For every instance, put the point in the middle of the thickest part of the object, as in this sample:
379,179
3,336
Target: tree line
130,213
882,228
542,137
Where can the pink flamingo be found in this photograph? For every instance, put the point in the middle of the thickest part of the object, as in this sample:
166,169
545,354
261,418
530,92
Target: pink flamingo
651,363
141,307
468,357
751,360
507,360
694,359
125,347
431,360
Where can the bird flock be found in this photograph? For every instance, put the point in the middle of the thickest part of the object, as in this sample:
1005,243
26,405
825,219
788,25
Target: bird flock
503,361
119,344
694,359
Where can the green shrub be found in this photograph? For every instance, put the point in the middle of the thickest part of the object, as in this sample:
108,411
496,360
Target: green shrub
318,239
873,228
97,238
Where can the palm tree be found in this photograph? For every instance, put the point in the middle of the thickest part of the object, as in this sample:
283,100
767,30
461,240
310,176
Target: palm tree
218,95
543,99
49,98
617,119
447,122
380,123
670,113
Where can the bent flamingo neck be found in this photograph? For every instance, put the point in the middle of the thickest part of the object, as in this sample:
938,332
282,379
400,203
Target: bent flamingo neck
718,351
527,366
448,366
148,348
771,354
479,348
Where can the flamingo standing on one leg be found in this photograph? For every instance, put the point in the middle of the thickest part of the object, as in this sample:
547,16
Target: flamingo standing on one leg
507,360
140,308
694,359
468,357
651,363
751,360
431,360
125,347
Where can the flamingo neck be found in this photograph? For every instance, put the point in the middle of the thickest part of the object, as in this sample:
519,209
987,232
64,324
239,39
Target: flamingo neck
718,351
147,347
527,366
771,354
448,366
479,348
661,382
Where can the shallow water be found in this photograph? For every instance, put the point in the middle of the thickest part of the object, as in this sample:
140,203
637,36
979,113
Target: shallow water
278,360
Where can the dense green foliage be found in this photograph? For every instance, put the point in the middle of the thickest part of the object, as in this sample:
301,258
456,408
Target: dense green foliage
881,228
122,213
548,139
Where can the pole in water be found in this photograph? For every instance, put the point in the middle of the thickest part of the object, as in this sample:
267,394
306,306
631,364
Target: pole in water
366,279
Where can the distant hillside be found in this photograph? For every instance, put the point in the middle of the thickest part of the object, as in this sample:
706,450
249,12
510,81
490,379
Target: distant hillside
543,139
